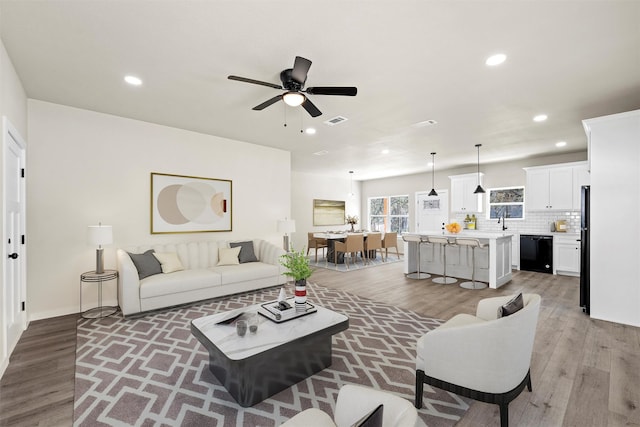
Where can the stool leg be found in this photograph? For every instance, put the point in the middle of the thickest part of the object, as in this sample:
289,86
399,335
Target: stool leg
444,280
473,284
418,274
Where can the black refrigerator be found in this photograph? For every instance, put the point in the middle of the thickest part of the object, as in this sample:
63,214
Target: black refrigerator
585,296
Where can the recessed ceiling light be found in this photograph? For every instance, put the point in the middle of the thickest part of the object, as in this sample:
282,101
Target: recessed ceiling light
540,118
320,153
385,151
496,59
310,131
133,80
561,143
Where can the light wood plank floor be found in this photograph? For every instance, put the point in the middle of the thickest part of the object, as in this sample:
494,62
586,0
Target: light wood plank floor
585,372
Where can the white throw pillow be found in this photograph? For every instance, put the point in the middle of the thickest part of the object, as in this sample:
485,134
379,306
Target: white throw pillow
169,261
229,256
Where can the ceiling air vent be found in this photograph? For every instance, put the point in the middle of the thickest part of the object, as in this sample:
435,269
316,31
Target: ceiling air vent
334,121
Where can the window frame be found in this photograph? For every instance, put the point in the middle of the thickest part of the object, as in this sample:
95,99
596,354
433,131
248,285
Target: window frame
387,216
506,205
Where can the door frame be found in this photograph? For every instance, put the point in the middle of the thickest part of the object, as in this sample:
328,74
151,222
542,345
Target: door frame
9,134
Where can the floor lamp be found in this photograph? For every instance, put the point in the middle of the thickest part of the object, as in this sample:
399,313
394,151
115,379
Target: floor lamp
286,226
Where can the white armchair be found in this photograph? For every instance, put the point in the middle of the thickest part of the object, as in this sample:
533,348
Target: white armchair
353,403
481,357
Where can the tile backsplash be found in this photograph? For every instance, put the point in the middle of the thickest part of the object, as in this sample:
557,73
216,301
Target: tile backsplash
534,222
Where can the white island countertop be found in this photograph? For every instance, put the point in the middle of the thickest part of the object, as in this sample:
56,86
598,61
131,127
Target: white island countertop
467,233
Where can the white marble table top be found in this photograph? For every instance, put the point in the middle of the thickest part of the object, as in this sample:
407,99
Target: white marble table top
269,335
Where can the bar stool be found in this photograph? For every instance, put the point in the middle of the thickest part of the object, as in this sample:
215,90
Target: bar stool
473,244
444,242
418,241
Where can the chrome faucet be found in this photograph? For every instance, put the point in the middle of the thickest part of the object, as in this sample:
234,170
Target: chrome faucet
504,224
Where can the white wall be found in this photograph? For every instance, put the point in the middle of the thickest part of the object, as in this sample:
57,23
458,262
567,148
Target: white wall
13,105
85,167
615,210
306,187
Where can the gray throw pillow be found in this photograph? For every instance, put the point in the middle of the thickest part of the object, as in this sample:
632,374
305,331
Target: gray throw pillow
514,304
247,254
146,264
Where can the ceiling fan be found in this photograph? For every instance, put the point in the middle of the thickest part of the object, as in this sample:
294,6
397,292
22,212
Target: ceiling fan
293,80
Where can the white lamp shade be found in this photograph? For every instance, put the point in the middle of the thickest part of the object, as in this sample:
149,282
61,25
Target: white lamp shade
99,235
293,99
287,225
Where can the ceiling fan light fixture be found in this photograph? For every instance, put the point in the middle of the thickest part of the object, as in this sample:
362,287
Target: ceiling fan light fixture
293,99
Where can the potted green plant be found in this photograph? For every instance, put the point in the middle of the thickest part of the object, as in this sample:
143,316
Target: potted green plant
297,265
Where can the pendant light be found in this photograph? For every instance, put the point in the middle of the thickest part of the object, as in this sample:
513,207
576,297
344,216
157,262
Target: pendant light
351,191
433,167
479,189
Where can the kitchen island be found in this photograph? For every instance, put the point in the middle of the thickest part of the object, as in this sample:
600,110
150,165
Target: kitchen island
493,262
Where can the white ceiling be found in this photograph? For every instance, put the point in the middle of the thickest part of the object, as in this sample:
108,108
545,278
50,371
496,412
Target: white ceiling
411,61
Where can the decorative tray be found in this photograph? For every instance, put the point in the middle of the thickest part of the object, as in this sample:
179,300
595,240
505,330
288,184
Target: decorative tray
274,312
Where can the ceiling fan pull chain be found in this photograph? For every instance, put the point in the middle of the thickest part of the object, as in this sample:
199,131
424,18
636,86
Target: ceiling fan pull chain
285,114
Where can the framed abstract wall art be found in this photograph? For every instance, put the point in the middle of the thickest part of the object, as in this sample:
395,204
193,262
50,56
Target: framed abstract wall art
189,204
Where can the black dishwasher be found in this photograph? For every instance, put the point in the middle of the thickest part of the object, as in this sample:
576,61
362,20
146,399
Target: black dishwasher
536,253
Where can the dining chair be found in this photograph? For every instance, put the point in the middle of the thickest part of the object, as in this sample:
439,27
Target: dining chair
390,240
353,244
316,243
373,243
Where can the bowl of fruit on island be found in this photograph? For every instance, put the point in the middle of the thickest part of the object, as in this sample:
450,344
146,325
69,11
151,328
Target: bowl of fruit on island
453,227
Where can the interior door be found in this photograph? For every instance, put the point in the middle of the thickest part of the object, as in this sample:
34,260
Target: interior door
14,287
431,211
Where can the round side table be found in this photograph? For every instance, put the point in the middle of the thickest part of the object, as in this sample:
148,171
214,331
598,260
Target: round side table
92,277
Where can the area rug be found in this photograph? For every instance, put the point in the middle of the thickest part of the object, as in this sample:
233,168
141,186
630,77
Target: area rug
151,371
359,265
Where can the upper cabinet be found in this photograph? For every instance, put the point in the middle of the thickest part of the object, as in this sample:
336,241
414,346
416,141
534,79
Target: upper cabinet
462,197
555,187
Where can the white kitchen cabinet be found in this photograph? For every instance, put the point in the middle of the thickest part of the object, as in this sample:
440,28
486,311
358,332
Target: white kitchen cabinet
566,254
462,197
581,177
555,187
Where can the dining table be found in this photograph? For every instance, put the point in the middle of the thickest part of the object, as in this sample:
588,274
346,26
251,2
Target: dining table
333,237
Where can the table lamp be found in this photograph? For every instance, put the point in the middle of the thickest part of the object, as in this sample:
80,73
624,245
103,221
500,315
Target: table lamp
99,235
286,226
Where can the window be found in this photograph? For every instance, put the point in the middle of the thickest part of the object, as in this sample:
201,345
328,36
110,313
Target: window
507,202
389,214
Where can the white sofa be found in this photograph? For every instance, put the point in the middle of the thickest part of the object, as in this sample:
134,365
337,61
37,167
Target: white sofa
202,276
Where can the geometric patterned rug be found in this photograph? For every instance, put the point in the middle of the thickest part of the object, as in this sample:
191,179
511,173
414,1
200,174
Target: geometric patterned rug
151,371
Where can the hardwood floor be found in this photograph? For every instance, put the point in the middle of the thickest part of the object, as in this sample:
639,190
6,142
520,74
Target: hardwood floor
585,372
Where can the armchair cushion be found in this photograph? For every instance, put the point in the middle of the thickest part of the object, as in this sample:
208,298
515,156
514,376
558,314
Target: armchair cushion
514,304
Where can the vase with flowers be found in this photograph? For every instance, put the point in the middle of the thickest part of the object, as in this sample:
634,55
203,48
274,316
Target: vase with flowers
297,265
353,220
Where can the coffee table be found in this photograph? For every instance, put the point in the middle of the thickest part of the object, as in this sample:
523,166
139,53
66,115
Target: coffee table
257,366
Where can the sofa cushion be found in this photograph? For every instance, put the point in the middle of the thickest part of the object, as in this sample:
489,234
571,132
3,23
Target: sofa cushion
247,254
245,272
229,256
180,281
169,261
513,305
146,264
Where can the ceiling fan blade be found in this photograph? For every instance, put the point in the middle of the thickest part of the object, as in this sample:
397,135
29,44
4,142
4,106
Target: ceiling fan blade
255,82
311,108
265,104
332,90
300,69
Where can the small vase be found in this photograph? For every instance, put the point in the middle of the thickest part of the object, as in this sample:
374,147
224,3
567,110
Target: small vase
301,295
352,230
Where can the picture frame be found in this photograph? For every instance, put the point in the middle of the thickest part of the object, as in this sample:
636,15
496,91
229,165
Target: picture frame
190,204
328,212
